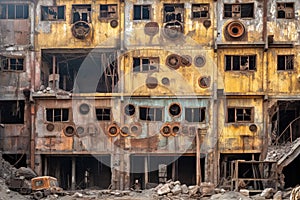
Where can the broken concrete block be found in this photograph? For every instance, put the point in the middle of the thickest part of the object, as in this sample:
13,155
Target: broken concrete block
244,192
177,183
193,190
158,187
267,193
176,189
207,189
184,189
77,194
277,196
165,189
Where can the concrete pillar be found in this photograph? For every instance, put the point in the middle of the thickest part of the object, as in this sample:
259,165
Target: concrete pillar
46,166
73,179
146,170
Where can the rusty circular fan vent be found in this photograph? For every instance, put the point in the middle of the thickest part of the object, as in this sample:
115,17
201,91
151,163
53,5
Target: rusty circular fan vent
135,128
151,28
204,81
206,23
113,23
175,109
186,60
50,127
84,108
175,128
173,30
166,130
125,131
253,128
235,29
165,81
81,29
173,61
113,130
129,109
80,130
199,61
151,82
69,131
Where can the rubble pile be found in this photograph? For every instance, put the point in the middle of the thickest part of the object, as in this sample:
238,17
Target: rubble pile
275,153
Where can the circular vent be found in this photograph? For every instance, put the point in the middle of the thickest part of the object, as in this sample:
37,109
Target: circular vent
166,130
135,128
113,130
175,128
151,82
125,131
165,81
175,109
204,82
173,30
235,29
253,128
151,28
81,29
129,109
173,61
50,127
199,61
84,108
114,23
69,131
206,23
186,60
80,130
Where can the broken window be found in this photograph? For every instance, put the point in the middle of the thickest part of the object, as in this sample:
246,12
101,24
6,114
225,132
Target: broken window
103,114
53,13
151,114
200,11
14,11
239,115
57,114
236,63
195,114
245,10
285,62
141,12
81,13
145,64
12,64
285,10
108,11
173,12
12,112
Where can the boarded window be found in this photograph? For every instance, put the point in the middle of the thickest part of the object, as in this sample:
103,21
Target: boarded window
141,12
200,11
285,10
239,115
103,114
237,63
108,11
14,11
81,13
57,114
195,114
151,114
12,112
53,13
145,64
12,64
173,12
285,62
245,10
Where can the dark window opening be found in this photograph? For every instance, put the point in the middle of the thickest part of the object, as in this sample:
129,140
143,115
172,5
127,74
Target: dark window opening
12,112
141,12
57,114
53,13
151,114
108,11
285,10
285,62
103,114
200,11
175,109
239,115
195,114
236,63
173,12
12,64
239,10
14,11
81,13
129,109
145,64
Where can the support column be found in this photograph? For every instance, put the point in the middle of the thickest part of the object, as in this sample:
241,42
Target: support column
46,166
198,163
73,179
174,170
146,170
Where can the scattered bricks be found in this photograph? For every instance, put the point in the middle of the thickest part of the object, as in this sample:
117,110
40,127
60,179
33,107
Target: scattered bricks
165,189
177,183
277,196
176,189
207,189
184,189
267,193
244,192
193,190
158,187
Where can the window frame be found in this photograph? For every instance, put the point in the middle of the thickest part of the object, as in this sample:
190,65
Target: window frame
8,61
154,115
25,6
13,112
81,7
141,65
277,5
61,115
107,12
232,68
200,5
202,119
235,115
57,8
285,63
176,5
237,12
103,114
141,12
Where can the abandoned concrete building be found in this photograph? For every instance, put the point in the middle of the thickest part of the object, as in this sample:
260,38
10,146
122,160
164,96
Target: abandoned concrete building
105,93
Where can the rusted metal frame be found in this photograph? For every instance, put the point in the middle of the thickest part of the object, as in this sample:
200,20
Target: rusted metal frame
289,126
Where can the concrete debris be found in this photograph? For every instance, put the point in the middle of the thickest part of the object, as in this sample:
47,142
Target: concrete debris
275,153
267,193
277,196
244,192
229,196
193,190
295,194
207,189
184,189
165,189
176,189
